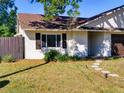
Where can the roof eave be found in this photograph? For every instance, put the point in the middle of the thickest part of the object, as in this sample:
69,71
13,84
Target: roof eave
67,30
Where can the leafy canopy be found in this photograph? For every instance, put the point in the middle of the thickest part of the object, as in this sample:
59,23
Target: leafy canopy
54,8
7,17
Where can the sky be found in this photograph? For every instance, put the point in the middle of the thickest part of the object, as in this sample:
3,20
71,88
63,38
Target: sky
88,8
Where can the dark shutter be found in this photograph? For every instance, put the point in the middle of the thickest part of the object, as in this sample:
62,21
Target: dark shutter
38,41
64,44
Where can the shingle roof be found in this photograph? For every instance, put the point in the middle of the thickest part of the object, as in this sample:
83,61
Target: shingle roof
35,21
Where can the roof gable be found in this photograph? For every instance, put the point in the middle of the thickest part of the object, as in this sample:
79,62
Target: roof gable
102,17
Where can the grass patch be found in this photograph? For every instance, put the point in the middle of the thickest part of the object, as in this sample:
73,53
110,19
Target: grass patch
114,65
71,77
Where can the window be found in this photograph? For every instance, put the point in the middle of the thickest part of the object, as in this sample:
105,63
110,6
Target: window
38,42
58,40
51,40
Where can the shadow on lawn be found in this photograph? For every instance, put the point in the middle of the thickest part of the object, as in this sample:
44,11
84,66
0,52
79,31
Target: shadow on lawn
22,70
4,83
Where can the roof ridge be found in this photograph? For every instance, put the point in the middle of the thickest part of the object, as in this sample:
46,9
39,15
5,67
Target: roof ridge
43,15
30,13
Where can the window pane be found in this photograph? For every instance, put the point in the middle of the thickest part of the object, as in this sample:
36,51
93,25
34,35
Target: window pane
58,40
43,40
51,40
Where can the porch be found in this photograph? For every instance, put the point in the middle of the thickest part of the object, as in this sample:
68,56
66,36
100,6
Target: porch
99,44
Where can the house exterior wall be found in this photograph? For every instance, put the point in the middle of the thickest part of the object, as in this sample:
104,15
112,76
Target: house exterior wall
92,43
81,39
30,43
113,19
99,44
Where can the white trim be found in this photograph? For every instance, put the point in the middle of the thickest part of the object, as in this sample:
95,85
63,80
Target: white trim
54,30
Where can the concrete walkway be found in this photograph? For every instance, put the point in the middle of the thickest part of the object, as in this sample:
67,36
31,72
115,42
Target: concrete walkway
106,73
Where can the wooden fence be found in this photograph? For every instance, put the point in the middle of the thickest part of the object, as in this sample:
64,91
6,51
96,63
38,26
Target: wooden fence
12,46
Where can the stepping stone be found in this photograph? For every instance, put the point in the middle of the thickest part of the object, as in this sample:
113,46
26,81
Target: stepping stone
114,75
98,61
98,69
105,72
96,64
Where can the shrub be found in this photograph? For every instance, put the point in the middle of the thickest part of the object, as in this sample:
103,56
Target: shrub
51,55
62,58
75,58
8,58
111,58
54,55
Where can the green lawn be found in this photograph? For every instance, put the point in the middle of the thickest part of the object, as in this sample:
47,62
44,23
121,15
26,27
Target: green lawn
33,76
115,66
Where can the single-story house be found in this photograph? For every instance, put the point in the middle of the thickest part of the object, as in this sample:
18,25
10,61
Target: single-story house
100,35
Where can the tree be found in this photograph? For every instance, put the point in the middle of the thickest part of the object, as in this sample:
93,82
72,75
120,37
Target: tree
8,12
54,8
